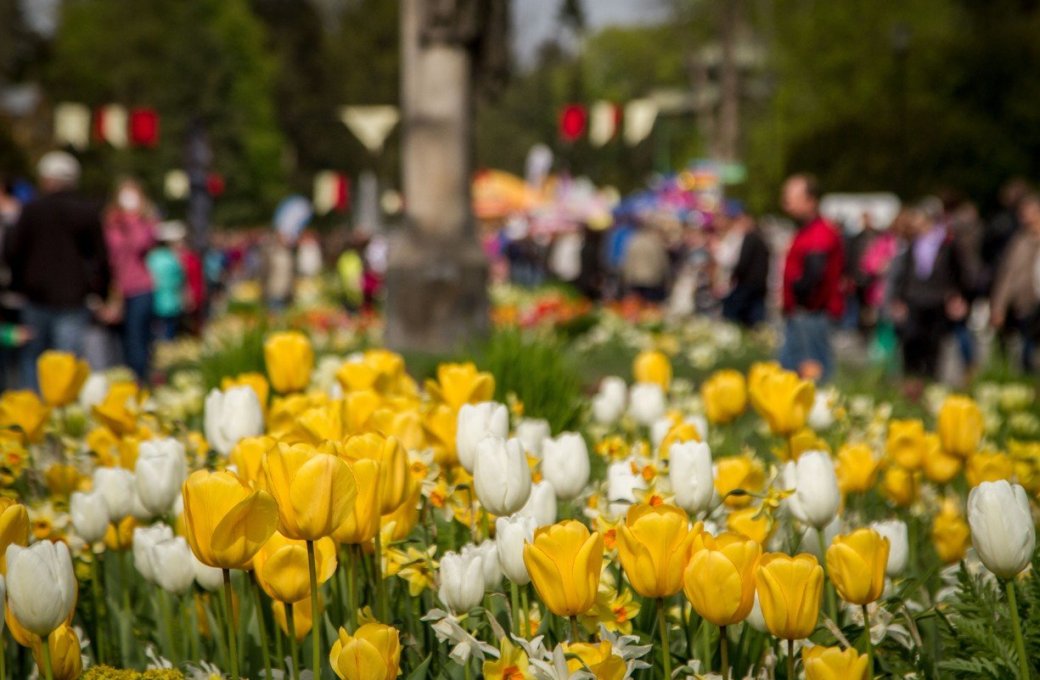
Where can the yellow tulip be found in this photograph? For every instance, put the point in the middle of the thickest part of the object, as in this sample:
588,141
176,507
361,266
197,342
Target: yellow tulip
739,472
226,521
405,517
856,564
62,479
724,394
905,445
459,384
24,410
988,467
282,571
654,547
66,662
379,369
302,616
756,374
394,479
22,636
751,523
719,581
651,366
950,533
596,658
314,491
254,380
439,424
800,442
358,410
14,527
679,433
784,400
104,444
290,359
362,524
960,425
61,375
831,663
248,457
284,411
373,652
789,590
939,466
402,421
899,485
512,664
857,468
119,409
120,536
564,562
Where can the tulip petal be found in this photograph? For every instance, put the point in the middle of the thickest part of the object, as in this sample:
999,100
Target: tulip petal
243,530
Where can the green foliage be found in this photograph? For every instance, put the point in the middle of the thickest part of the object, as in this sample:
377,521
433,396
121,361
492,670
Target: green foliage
539,372
238,353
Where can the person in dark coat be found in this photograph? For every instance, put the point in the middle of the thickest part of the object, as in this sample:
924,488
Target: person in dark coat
746,302
56,253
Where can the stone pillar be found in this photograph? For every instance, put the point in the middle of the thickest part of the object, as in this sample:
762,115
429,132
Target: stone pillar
436,279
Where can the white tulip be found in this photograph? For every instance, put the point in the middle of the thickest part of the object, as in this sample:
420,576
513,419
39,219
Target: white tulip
1002,529
565,463
820,415
94,390
475,422
161,470
501,476
532,432
171,561
755,618
137,510
690,472
646,403
541,505
511,533
231,416
609,403
492,571
145,538
816,496
622,485
461,581
116,485
810,542
3,604
89,514
41,585
615,388
210,578
659,429
898,544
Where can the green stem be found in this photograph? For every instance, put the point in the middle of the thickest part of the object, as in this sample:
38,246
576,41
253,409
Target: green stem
790,660
525,604
514,603
99,614
1016,626
3,658
167,617
870,644
261,624
232,633
188,613
666,652
279,650
290,623
724,652
48,670
315,615
381,602
575,633
351,589
832,603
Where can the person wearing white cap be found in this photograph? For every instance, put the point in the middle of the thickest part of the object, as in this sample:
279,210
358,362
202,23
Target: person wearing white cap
58,261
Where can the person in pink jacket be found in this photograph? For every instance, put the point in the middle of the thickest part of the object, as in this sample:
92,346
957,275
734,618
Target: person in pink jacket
129,235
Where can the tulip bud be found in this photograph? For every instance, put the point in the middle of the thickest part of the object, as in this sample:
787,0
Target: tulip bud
652,366
232,416
540,505
789,591
64,647
372,653
782,398
532,432
1002,529
501,477
950,533
615,389
960,425
145,538
61,375
724,394
93,391
160,471
89,515
565,463
828,663
488,552
856,563
816,497
475,422
209,578
289,358
654,546
41,585
137,510
461,581
622,484
564,562
609,403
646,403
689,470
511,533
172,565
719,580
820,415
898,545
117,487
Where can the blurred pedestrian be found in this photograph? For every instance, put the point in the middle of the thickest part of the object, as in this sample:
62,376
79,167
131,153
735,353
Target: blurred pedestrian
129,224
812,295
1001,229
745,301
168,275
645,267
58,261
1015,299
278,272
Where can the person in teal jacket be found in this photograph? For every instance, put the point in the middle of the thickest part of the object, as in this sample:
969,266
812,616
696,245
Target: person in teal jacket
168,279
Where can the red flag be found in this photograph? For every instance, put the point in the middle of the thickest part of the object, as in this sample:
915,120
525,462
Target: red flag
573,119
144,127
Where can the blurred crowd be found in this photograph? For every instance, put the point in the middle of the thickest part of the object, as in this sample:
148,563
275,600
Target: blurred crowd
903,286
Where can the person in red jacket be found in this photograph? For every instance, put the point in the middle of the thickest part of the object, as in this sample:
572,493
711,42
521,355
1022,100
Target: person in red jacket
812,295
